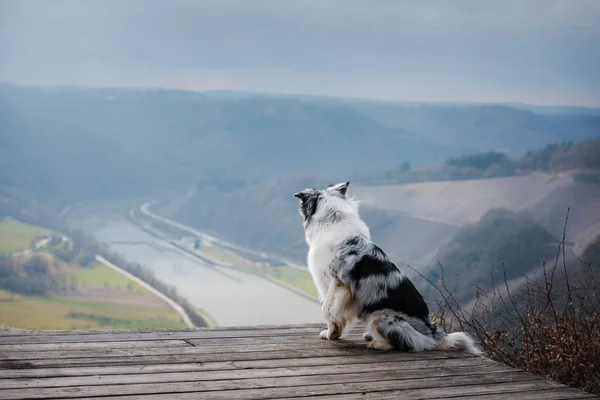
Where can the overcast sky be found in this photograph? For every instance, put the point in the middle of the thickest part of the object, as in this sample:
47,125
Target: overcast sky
530,51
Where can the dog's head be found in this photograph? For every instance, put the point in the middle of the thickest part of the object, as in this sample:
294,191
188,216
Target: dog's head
325,205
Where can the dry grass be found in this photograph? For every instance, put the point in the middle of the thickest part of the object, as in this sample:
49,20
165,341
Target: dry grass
296,278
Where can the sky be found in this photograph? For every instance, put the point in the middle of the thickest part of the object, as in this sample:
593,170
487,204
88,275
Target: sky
543,52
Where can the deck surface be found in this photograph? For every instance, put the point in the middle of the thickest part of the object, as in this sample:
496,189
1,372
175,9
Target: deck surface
248,363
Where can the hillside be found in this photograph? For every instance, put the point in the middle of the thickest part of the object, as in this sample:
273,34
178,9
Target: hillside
544,197
502,244
555,157
91,144
261,216
127,142
410,221
509,129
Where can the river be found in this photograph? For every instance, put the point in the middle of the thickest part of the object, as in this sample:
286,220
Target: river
232,298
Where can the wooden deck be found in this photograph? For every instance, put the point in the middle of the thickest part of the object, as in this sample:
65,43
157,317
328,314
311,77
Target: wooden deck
248,363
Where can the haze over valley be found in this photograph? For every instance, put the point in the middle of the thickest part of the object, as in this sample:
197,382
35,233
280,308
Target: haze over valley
225,167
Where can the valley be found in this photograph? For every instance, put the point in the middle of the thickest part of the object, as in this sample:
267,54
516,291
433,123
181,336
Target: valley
230,289
210,178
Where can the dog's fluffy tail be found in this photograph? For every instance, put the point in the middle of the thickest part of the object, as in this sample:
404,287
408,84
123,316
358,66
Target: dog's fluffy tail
458,341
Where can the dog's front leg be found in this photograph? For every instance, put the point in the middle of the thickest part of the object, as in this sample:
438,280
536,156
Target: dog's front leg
334,307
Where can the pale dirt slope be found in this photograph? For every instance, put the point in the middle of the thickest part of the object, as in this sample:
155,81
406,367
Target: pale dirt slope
545,197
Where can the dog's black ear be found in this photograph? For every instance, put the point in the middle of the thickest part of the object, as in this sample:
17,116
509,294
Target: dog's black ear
342,187
303,195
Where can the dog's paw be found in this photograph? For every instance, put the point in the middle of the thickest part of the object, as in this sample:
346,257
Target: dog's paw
327,335
376,345
367,336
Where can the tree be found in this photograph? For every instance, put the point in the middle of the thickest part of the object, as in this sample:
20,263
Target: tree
87,259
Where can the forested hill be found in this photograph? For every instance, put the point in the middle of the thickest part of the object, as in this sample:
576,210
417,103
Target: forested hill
96,143
481,128
90,142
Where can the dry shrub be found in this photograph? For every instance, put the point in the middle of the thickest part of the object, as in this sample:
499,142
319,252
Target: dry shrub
549,325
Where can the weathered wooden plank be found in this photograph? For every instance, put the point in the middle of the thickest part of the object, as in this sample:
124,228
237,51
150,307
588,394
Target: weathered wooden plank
272,386
552,394
234,357
305,338
50,348
498,391
183,342
71,332
366,391
411,368
136,352
126,336
221,346
302,343
409,363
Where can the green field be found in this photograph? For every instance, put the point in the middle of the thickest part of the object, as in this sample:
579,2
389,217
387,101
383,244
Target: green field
63,312
99,275
36,312
299,279
17,236
233,259
291,276
222,255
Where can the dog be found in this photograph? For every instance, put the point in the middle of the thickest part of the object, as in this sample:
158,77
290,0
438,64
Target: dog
356,280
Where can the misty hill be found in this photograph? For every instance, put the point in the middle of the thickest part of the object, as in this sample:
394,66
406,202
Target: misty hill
265,217
97,143
556,157
502,243
122,141
480,128
542,196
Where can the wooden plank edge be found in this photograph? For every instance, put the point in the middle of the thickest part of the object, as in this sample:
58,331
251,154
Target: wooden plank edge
43,332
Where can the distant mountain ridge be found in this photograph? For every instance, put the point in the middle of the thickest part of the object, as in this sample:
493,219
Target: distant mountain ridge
133,140
540,109
486,127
